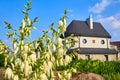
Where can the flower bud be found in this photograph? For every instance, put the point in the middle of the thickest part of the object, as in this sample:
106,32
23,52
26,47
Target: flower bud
59,42
16,77
8,74
18,62
23,23
53,48
29,22
32,57
43,77
60,23
22,67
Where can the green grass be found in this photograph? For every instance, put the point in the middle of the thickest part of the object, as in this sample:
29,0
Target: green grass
109,70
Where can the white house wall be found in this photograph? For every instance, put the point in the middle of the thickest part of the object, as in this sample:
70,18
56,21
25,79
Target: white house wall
90,44
96,44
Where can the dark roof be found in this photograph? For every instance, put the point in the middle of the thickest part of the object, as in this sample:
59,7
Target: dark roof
116,43
95,51
81,28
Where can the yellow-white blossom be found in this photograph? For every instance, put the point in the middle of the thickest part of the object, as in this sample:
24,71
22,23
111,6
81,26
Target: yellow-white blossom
33,57
53,59
29,22
67,59
68,45
43,77
59,42
22,67
26,48
8,74
69,75
23,23
16,50
60,52
18,62
60,23
53,48
61,61
24,56
50,64
46,67
16,77
26,70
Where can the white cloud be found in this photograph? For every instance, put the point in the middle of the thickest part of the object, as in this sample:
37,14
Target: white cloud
113,21
99,7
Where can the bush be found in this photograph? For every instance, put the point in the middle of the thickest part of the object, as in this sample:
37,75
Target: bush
2,60
109,70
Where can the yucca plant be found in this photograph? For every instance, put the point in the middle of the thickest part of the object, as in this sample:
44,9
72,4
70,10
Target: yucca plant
22,64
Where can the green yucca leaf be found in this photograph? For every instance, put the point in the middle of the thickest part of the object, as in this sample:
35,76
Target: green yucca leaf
8,26
66,11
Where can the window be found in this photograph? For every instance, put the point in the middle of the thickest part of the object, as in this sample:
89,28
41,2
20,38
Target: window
102,42
87,57
84,41
93,41
105,57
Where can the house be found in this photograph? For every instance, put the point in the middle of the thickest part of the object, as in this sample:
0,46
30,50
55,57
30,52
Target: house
93,40
116,45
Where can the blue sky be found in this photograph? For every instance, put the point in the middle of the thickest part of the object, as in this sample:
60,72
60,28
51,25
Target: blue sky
106,12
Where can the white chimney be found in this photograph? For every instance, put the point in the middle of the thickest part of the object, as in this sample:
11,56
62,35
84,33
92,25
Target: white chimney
90,22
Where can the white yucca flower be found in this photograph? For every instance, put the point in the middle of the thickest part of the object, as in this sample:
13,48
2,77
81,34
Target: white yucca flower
14,45
43,77
33,57
29,22
59,42
60,23
67,59
68,45
57,62
53,48
26,47
50,64
29,69
18,62
46,67
69,75
16,50
60,52
23,23
61,61
16,77
26,70
22,67
24,56
53,59
8,74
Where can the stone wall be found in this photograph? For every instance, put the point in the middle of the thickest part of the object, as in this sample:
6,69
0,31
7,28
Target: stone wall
111,57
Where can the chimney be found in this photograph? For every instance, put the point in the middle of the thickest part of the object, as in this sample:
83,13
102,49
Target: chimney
90,22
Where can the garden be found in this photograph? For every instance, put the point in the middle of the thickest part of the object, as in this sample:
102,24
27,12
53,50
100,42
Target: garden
46,58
